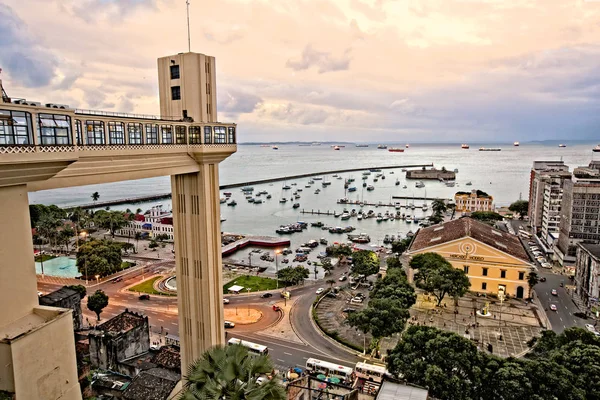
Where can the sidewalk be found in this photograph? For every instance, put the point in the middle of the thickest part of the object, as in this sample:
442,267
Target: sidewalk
284,329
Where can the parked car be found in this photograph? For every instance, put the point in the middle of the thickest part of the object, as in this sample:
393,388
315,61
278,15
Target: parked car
343,278
543,279
358,300
276,308
144,297
320,290
119,279
266,295
592,329
229,324
349,310
553,307
554,292
225,301
331,294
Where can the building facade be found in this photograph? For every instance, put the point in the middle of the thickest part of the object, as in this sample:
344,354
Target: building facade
587,272
154,222
494,261
475,201
538,181
580,213
65,298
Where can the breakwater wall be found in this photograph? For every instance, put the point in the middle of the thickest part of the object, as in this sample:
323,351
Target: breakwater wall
143,199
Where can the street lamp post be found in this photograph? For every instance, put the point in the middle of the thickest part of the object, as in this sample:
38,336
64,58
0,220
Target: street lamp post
277,268
97,280
248,290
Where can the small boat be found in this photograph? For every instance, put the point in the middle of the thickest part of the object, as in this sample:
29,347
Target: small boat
247,189
516,144
325,183
362,145
365,184
596,149
404,187
345,216
317,224
275,148
258,201
227,194
317,191
297,196
407,145
468,183
490,149
352,189
223,200
397,182
382,147
269,196
323,241
334,175
232,203
283,200
286,187
375,180
296,205
396,150
419,184
455,170
464,146
562,145
359,217
370,188
339,177
318,178
336,147
299,190
311,182
450,184
251,200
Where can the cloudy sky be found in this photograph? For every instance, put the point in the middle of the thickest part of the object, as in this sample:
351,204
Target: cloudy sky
354,70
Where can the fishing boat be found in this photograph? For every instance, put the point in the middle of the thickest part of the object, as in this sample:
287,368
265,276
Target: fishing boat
516,144
396,150
596,149
296,205
562,145
464,146
382,147
232,203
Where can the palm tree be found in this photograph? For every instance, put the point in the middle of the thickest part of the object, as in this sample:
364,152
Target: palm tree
438,206
138,211
137,238
95,196
532,280
230,372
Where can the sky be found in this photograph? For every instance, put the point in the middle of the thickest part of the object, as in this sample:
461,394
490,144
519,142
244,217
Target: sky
326,70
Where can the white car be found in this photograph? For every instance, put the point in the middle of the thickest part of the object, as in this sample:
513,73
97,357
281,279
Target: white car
592,329
357,300
320,290
553,307
225,301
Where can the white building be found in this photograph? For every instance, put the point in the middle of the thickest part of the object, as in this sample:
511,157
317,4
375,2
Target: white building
155,222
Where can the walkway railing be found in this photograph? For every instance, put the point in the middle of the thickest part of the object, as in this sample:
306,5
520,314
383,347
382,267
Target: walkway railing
29,149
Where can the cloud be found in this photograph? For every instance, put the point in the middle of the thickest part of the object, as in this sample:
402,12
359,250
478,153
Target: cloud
23,59
374,13
294,114
221,38
237,102
325,62
114,10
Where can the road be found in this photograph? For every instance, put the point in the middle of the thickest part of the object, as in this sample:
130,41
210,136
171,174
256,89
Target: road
563,317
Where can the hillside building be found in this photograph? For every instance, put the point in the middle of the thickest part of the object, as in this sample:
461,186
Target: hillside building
476,200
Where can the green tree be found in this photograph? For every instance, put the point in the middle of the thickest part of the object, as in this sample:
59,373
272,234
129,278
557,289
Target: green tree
326,265
138,211
95,196
99,257
111,220
230,372
127,247
486,216
439,206
436,218
300,274
293,275
395,286
382,317
65,235
393,262
437,276
400,246
365,262
97,302
532,280
520,207
79,289
48,228
339,251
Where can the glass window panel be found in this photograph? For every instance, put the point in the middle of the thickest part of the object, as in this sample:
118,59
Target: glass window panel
180,135
207,134
166,134
151,134
194,133
115,133
15,128
95,132
135,133
231,135
220,132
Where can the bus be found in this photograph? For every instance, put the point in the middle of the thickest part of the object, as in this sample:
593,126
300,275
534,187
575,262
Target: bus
254,348
330,369
370,371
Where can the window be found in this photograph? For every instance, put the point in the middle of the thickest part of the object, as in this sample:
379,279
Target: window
116,133
483,285
231,135
166,134
175,93
174,71
180,134
95,132
15,127
485,271
220,132
466,269
79,132
195,135
207,134
54,129
151,134
503,273
134,131
521,276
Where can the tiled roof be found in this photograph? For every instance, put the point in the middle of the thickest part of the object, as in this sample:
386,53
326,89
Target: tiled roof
463,227
153,384
123,322
168,357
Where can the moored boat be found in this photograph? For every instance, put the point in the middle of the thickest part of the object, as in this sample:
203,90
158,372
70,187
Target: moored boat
516,144
562,145
296,205
596,149
396,150
382,147
464,146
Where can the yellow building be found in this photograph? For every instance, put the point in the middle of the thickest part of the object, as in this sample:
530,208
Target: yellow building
493,260
475,201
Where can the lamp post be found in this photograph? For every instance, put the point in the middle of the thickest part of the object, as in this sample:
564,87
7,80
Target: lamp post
501,297
277,267
97,280
248,290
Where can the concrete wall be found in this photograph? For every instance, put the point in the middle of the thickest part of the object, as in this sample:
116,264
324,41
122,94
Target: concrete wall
107,349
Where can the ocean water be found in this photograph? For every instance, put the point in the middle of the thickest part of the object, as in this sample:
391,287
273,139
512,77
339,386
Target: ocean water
503,174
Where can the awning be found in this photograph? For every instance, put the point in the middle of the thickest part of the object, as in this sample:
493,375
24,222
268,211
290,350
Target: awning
236,289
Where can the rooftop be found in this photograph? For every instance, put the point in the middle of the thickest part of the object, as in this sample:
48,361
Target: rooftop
168,357
593,249
123,322
57,296
155,384
463,227
396,391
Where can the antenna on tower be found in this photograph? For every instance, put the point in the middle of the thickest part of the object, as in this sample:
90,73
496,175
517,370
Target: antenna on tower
187,3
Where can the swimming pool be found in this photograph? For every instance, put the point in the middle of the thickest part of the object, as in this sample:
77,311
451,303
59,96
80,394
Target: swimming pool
60,266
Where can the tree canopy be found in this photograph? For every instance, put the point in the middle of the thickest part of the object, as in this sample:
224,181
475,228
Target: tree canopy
558,367
39,211
79,289
437,276
231,372
338,250
486,216
111,220
293,275
97,302
365,262
400,246
99,257
520,207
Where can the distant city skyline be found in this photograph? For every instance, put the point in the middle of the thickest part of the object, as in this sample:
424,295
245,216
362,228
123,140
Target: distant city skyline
353,71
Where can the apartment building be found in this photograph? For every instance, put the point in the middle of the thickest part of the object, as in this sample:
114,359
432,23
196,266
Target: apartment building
545,193
587,272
